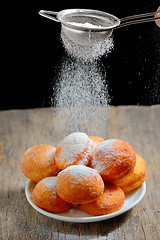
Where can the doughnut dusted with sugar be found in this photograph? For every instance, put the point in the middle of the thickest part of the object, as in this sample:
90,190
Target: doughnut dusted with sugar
114,160
79,184
75,149
136,179
45,196
111,200
38,162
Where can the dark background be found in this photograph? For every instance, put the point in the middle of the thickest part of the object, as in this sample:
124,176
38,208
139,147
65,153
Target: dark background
33,52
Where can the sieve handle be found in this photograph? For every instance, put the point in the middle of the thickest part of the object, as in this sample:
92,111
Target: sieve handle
49,14
140,18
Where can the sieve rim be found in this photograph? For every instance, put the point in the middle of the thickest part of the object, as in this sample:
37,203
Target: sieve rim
63,14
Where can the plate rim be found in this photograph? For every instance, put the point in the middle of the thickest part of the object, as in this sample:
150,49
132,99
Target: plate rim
88,218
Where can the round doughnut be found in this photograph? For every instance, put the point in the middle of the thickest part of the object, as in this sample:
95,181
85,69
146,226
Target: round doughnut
79,184
111,200
45,196
38,162
75,149
136,178
114,160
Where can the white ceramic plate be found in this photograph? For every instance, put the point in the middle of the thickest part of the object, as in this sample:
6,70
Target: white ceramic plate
78,216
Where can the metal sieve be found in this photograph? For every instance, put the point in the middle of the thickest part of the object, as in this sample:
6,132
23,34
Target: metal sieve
88,27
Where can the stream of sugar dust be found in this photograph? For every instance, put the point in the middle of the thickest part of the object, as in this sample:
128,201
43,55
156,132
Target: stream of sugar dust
81,92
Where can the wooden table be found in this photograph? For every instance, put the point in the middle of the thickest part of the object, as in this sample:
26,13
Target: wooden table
20,129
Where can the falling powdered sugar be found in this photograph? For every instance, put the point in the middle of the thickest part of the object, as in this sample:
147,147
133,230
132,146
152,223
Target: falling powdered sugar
87,52
81,98
80,93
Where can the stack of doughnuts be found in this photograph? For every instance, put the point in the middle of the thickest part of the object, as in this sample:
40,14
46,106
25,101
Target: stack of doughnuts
85,170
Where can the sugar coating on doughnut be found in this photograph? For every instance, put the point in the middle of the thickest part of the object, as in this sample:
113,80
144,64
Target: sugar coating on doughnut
114,160
38,162
74,149
111,200
136,178
79,184
45,196
49,183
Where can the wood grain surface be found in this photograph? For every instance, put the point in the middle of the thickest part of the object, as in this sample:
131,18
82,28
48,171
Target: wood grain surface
20,129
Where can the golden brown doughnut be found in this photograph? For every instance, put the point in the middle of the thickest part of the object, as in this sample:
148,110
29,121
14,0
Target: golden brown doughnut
75,149
45,196
114,160
136,178
111,200
79,184
38,162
